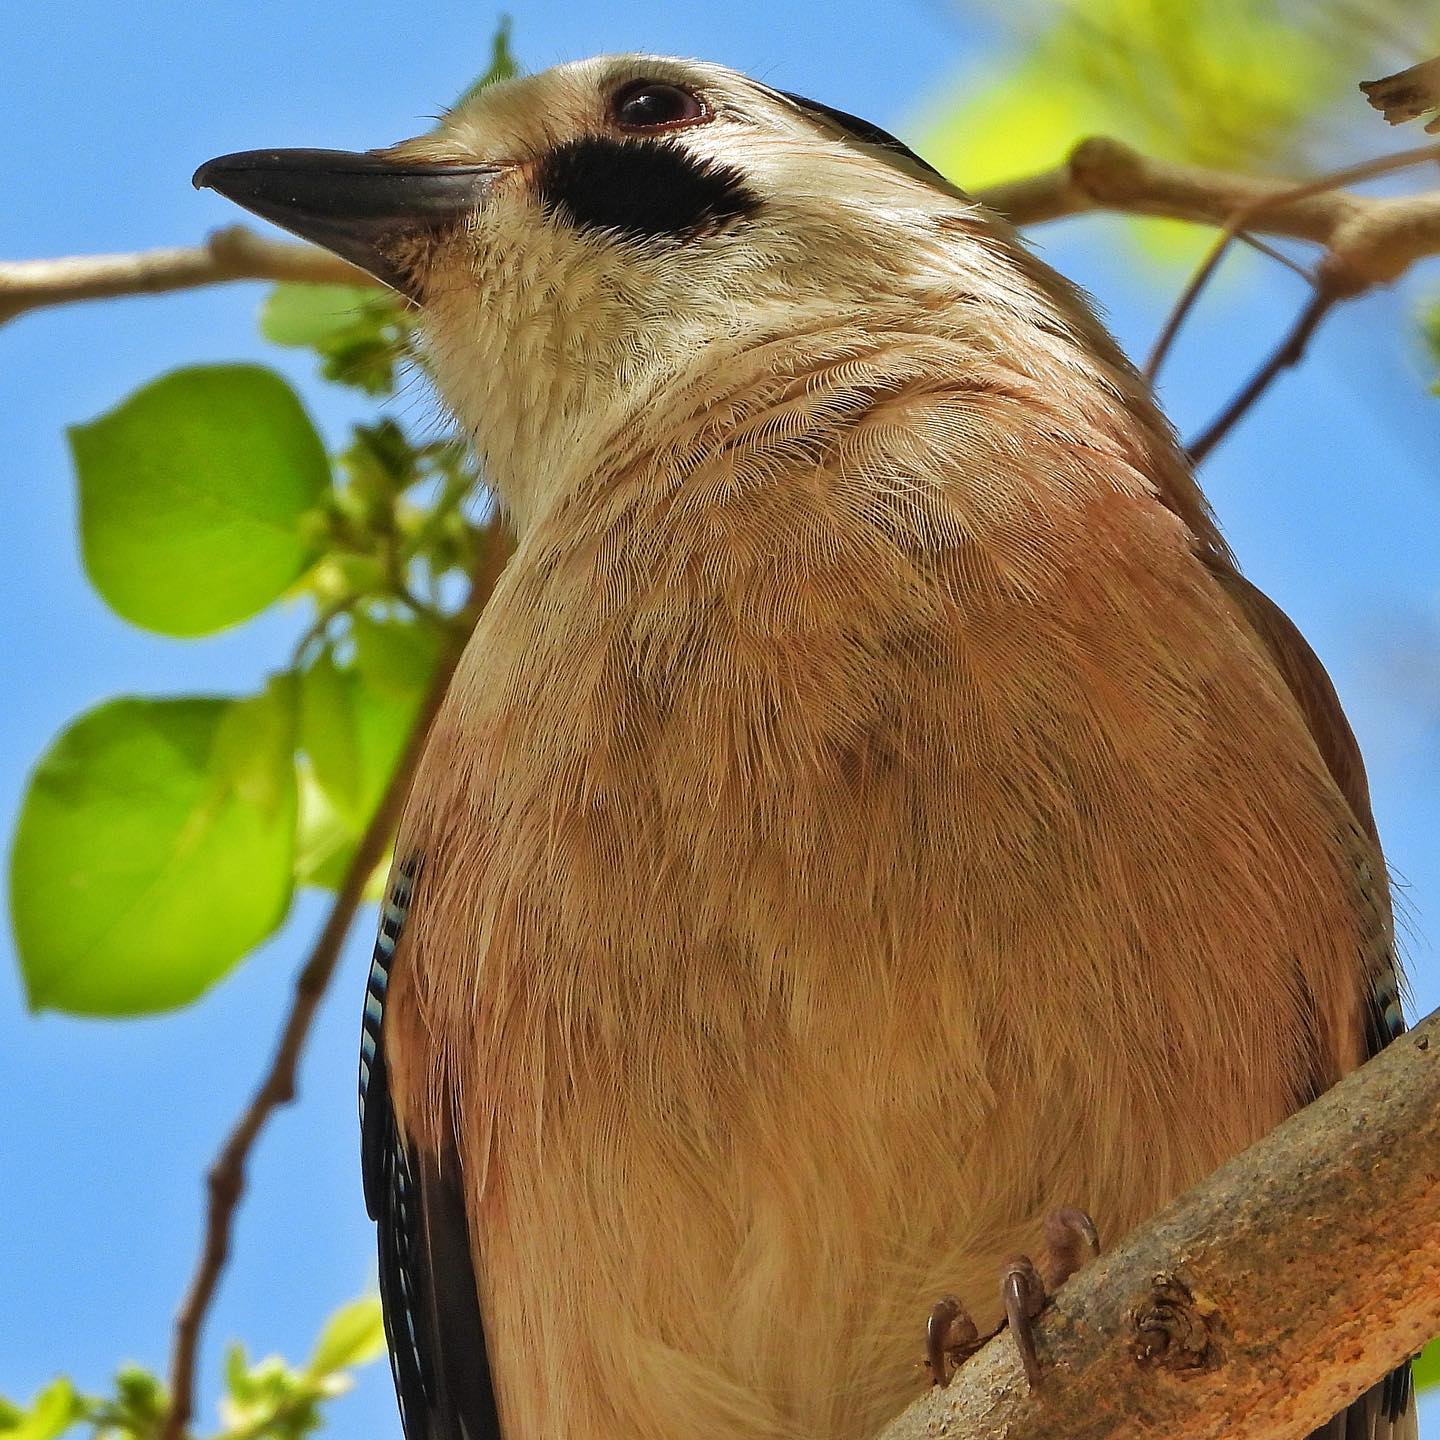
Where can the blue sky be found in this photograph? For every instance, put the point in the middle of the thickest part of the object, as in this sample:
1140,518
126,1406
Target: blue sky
1330,494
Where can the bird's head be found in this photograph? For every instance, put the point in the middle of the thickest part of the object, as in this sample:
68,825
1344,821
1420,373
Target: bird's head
582,241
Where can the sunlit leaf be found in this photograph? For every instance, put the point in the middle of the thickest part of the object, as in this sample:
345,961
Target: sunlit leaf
1427,1367
329,733
53,1411
155,848
253,742
353,1335
326,841
377,723
192,497
503,64
396,657
310,315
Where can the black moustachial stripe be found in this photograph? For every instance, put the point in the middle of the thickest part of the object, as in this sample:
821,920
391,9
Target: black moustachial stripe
641,189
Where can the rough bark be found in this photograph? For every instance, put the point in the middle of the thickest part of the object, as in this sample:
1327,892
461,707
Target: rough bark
1260,1303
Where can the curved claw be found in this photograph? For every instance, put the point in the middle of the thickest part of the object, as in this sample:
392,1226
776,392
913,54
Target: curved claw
1072,1242
1024,1294
950,1334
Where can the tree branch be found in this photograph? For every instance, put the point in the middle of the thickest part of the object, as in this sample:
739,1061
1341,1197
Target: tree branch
1374,238
225,1180
1259,1303
1289,352
234,253
1367,242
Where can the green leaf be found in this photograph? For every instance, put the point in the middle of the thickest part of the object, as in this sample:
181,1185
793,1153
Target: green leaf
238,1384
1427,1367
396,657
353,1335
329,733
155,847
140,1396
359,332
253,746
325,838
503,64
311,315
54,1410
192,497
378,724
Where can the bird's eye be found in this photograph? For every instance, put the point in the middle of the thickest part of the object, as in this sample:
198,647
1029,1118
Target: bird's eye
654,105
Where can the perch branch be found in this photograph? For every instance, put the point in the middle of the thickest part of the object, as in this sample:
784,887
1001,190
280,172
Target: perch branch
1259,1303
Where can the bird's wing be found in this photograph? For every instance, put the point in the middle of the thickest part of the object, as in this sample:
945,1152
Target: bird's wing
1315,695
427,1279
1387,1410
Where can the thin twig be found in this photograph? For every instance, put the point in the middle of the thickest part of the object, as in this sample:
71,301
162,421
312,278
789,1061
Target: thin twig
1277,255
1184,303
225,1180
234,253
317,629
1378,236
1251,213
1286,354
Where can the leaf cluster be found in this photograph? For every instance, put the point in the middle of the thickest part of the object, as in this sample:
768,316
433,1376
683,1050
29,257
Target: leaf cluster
1265,86
264,1400
162,838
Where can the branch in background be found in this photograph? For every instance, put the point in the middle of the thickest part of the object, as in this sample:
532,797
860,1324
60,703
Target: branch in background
1287,354
225,1180
1407,94
1260,1303
1375,239
234,253
1337,273
1367,241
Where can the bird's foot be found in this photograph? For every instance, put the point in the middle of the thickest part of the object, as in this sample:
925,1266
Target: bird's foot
951,1336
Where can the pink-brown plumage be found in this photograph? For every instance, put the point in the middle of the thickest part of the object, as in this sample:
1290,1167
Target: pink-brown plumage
871,813
864,821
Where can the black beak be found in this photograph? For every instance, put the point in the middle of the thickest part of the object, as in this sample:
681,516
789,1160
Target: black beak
357,205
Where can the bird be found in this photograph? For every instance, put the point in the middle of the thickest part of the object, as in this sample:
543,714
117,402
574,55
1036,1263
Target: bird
873,815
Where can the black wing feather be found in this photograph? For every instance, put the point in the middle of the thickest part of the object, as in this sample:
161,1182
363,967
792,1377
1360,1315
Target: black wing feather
428,1290
865,131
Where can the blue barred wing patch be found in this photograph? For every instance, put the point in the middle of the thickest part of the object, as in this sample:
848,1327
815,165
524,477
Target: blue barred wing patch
392,922
416,1198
